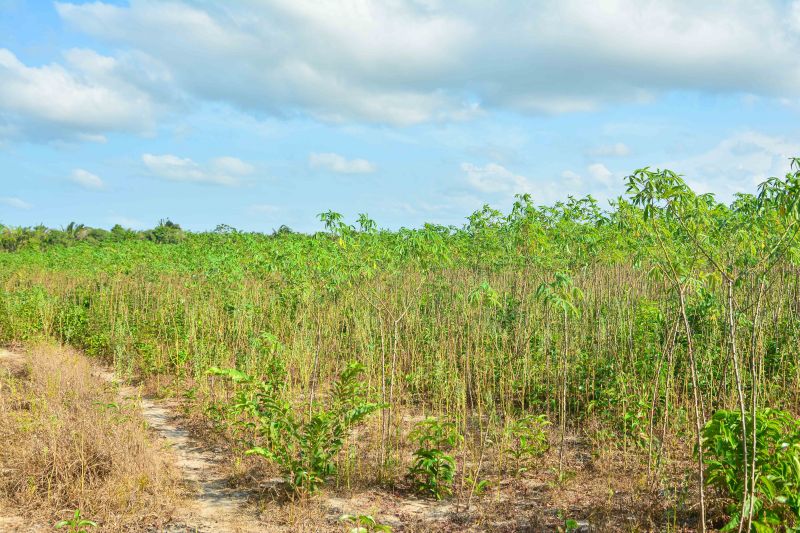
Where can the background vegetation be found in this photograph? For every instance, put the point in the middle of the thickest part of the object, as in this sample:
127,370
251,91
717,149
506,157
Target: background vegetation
660,329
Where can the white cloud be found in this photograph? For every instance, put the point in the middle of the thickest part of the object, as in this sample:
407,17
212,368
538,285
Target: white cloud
81,100
598,172
494,178
15,202
340,164
404,62
572,179
221,171
610,150
596,179
503,184
86,179
737,164
232,165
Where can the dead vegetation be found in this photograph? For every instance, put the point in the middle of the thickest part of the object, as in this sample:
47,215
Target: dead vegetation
69,442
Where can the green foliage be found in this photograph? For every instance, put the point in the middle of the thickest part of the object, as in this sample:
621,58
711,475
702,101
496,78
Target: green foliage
40,237
304,446
363,523
479,486
529,440
446,319
433,470
167,232
777,490
76,524
561,293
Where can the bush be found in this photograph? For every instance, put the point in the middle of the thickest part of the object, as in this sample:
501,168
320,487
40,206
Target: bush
529,440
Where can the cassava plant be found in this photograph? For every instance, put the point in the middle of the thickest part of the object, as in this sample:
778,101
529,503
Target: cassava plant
433,469
304,445
76,524
562,295
363,523
776,493
528,440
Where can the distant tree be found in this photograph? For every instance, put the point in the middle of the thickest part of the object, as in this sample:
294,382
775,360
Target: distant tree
225,229
283,230
167,232
119,234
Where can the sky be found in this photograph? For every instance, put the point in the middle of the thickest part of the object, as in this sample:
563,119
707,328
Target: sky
259,113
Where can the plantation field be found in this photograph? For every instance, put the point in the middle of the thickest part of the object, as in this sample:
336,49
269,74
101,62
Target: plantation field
552,368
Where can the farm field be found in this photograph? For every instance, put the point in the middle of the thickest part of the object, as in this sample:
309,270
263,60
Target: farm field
571,367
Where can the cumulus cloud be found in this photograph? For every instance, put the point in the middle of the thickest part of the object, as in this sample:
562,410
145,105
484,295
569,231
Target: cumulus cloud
220,171
500,185
737,163
600,173
595,179
494,178
15,202
406,62
86,179
340,164
610,150
82,99
572,179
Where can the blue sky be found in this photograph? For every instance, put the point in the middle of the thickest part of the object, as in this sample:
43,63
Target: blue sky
262,113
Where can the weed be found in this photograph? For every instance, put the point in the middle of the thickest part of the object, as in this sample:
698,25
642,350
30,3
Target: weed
76,524
776,500
529,440
363,523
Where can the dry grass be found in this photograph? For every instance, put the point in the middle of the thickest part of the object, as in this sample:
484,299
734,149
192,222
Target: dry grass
70,443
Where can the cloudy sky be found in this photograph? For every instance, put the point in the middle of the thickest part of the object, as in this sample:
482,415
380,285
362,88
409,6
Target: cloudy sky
258,113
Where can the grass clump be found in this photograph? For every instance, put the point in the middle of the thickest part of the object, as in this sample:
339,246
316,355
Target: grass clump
70,443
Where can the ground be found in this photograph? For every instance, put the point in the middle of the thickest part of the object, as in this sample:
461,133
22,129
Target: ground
222,493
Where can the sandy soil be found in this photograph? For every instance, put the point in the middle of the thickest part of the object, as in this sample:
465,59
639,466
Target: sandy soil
210,506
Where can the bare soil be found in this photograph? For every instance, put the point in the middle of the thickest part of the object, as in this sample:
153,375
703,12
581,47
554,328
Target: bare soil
604,494
211,505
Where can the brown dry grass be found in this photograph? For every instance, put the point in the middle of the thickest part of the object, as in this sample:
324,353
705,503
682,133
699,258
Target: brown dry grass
70,443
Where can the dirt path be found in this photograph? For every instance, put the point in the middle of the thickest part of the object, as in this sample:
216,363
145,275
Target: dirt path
212,506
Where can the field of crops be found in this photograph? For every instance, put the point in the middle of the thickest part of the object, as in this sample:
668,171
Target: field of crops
650,347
